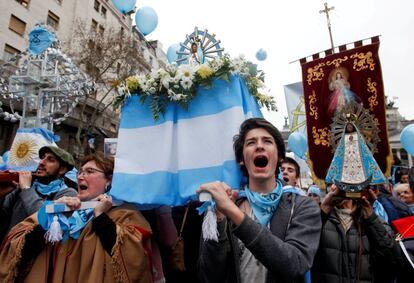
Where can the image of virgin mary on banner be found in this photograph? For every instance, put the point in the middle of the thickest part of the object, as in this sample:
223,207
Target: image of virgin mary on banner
330,84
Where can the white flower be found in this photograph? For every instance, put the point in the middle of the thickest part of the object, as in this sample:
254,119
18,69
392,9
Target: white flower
152,90
176,79
216,64
162,73
141,79
171,68
154,74
185,72
175,96
165,80
123,90
186,83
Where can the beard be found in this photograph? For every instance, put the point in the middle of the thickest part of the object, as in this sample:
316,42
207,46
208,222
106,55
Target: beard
46,179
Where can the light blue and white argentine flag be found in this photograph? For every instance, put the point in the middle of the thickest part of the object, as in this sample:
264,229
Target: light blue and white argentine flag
24,152
165,161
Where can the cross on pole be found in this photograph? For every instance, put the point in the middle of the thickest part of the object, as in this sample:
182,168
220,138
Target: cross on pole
326,11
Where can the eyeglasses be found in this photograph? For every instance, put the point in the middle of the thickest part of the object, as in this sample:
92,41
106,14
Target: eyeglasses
313,195
89,171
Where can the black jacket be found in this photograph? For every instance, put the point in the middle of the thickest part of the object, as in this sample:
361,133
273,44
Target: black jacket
367,252
286,249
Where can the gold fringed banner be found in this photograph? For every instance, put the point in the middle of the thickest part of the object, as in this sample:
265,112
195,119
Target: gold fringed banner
328,84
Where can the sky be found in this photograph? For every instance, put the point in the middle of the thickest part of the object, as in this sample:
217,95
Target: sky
290,30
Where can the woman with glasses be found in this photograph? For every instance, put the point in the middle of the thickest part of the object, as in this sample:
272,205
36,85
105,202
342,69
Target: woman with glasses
102,244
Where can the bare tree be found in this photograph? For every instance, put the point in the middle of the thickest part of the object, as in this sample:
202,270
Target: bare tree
108,57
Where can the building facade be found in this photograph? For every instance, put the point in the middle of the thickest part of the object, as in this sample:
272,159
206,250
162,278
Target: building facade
18,17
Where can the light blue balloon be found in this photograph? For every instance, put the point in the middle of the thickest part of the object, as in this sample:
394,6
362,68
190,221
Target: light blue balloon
298,144
124,6
261,54
146,20
172,55
407,139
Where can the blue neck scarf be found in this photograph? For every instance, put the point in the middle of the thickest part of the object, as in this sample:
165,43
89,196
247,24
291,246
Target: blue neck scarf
51,188
380,211
78,220
265,205
71,226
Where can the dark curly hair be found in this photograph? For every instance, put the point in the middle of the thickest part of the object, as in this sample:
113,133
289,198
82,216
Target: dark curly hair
254,123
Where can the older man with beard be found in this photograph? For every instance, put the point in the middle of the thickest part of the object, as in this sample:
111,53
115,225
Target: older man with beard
19,200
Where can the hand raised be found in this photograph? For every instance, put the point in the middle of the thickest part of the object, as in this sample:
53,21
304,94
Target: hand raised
105,204
72,202
328,201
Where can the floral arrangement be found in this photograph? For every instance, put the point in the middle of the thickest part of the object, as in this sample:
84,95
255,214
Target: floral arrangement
179,83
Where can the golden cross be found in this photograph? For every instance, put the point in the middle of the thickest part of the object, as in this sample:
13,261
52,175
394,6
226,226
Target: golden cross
326,11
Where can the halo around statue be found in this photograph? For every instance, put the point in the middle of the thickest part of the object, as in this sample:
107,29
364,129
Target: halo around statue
362,119
199,47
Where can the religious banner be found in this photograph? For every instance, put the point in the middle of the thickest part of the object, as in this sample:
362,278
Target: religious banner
332,83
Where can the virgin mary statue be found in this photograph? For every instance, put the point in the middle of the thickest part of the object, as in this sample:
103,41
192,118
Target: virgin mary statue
353,166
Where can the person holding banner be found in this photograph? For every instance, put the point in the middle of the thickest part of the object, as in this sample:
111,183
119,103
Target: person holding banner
20,199
269,234
356,245
100,244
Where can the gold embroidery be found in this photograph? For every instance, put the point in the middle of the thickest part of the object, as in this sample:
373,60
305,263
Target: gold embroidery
337,62
312,107
315,73
363,61
321,136
373,98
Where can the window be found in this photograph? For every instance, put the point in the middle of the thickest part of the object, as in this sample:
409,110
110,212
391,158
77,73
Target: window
24,3
9,52
96,6
103,11
94,25
121,32
17,25
52,20
101,30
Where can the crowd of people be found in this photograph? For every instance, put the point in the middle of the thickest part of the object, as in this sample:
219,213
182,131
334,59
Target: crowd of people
271,230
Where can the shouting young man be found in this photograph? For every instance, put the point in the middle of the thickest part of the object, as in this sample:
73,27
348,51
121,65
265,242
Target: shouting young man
268,234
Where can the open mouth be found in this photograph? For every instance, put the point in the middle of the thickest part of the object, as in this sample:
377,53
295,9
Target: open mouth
83,187
260,161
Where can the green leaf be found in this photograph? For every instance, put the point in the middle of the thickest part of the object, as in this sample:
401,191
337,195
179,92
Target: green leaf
225,77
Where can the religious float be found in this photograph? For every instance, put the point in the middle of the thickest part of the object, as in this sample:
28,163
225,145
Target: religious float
178,123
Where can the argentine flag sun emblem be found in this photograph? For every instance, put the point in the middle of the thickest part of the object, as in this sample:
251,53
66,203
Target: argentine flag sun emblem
23,150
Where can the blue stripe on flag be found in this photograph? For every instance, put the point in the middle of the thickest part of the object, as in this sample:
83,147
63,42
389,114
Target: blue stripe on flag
150,188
